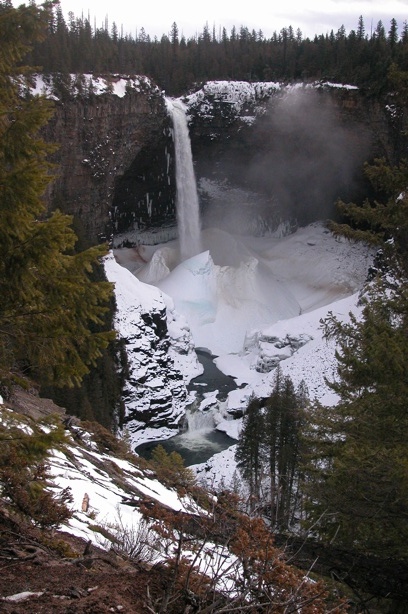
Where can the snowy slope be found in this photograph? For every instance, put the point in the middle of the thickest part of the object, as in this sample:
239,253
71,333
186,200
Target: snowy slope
259,302
312,363
241,285
111,484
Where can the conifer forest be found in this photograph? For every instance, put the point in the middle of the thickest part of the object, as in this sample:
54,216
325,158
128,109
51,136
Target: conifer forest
176,63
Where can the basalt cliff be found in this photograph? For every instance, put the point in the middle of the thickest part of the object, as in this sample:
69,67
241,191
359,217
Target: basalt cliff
262,152
113,155
266,156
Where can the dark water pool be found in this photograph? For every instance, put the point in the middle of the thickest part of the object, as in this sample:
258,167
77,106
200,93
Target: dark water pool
193,446
212,378
198,444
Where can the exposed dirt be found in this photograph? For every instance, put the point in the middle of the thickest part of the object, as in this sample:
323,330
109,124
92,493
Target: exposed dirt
95,582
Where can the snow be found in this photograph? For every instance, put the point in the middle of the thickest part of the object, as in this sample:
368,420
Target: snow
243,285
160,362
118,85
219,472
79,468
253,302
284,288
132,296
237,93
258,302
245,99
21,596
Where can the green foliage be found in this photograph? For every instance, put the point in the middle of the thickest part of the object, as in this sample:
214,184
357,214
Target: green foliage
170,469
283,425
24,478
356,479
378,222
250,453
269,450
177,64
48,302
359,490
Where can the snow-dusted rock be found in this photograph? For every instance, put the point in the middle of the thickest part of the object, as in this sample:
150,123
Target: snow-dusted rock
231,99
160,355
270,349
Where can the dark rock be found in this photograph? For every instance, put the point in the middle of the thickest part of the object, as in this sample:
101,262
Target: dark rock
114,161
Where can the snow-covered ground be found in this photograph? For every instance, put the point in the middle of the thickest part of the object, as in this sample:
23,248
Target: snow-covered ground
239,285
242,289
256,302
105,487
118,85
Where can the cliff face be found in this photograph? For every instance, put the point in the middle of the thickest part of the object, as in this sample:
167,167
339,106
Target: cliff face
160,357
113,161
266,153
263,153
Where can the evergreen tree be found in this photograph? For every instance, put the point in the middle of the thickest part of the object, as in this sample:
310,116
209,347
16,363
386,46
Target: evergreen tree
24,476
360,28
170,468
360,459
249,453
283,421
358,486
268,453
48,303
384,224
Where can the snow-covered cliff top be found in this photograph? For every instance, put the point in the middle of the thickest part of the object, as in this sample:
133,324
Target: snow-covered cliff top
88,84
241,94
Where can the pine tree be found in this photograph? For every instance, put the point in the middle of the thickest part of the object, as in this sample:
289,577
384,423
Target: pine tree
170,468
383,223
24,475
48,302
249,453
360,460
283,423
358,475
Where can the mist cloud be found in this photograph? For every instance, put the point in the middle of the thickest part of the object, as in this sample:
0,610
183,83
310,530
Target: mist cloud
307,155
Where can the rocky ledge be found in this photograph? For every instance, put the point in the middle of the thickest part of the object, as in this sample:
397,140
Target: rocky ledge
160,356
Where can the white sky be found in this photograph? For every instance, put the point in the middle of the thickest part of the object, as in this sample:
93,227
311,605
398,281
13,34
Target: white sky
313,17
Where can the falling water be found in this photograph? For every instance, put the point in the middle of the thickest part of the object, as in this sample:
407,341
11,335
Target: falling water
200,440
188,213
199,421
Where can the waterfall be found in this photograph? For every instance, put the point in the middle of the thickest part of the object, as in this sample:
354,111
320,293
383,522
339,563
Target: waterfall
188,213
199,421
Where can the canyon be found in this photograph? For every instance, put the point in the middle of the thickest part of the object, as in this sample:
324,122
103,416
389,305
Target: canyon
267,159
115,168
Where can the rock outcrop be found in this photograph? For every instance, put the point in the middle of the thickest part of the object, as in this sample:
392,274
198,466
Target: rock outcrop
264,153
114,158
268,152
160,357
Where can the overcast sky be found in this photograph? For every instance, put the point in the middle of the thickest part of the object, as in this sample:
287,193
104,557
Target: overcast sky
312,17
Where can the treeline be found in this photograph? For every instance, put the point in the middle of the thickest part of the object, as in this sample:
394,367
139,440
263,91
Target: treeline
176,62
56,306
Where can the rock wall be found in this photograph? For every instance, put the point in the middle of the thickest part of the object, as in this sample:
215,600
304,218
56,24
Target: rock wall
114,160
267,152
264,153
160,357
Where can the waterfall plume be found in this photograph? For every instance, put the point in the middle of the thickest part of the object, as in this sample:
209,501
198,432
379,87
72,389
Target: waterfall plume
187,205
